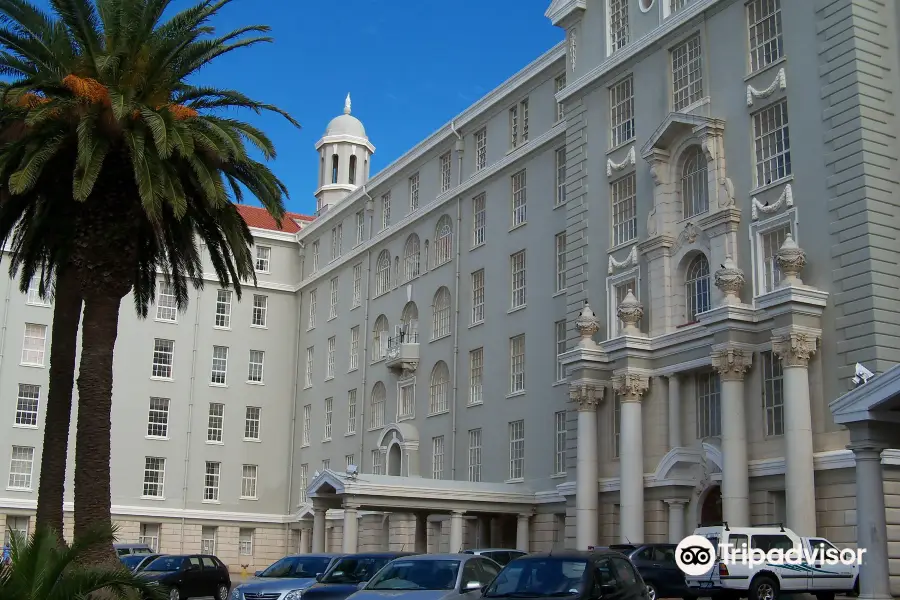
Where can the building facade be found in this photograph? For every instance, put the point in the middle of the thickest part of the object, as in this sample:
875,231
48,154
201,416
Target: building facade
667,242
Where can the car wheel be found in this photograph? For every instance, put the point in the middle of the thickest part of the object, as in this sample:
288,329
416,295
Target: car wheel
222,592
174,594
651,591
764,588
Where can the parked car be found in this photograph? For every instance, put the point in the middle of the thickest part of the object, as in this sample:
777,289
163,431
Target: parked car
288,574
137,562
431,577
189,576
657,566
345,576
576,575
126,549
501,556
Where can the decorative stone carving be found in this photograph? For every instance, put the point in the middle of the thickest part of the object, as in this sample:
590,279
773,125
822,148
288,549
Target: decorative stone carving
587,325
689,235
785,199
588,397
791,259
780,83
730,279
795,348
727,192
630,385
630,261
731,363
651,222
630,312
611,166
709,149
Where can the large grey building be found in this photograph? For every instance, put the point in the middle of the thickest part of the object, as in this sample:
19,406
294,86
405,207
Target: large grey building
622,294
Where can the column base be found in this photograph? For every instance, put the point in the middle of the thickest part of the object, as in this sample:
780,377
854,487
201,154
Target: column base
874,597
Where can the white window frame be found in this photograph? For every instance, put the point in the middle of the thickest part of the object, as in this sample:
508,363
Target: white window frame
385,211
519,198
478,296
21,468
779,107
516,438
166,306
414,192
612,282
476,377
260,314
517,358
212,478
34,345
758,230
329,420
360,227
32,296
354,348
383,273
307,424
315,256
28,406
772,375
223,310
310,358
376,416
617,25
412,258
245,541
559,244
621,111
406,399
218,372
154,478
377,462
304,482
313,309
209,543
439,389
559,443
709,403
759,51
149,535
559,85
158,418
518,282
333,305
623,209
329,358
446,165
479,220
263,259
441,321
692,309
480,149
437,457
357,285
215,423
252,423
561,333
475,454
337,235
160,370
518,124
560,176
380,336
351,411
682,98
442,248
256,367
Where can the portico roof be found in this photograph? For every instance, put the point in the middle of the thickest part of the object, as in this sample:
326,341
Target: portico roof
876,400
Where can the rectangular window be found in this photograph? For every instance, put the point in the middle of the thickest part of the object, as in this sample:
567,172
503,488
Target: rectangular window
560,261
166,307
766,45
773,393
406,403
517,279
709,419
351,412
208,540
475,455
33,296
354,348
772,241
560,85
304,481
480,149
223,309
518,124
313,308
560,442
245,542
519,199
215,423
211,481
263,256
360,227
27,405
621,112
260,310
329,414
624,209
329,358
251,423
560,176
309,366
256,366
219,365
560,350
618,24
377,465
517,450
621,291
154,477
248,482
478,296
349,461
163,358
34,344
437,457
307,423
332,310
445,172
150,536
478,221
315,256
772,142
21,467
687,73
326,464
517,364
385,210
476,376
158,418
414,192
617,424
337,234
357,285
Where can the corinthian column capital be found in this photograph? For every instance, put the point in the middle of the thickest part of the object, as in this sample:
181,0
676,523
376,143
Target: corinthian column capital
586,396
631,385
731,363
794,347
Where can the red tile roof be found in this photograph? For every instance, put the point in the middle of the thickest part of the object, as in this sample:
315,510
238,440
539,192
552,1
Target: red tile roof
261,219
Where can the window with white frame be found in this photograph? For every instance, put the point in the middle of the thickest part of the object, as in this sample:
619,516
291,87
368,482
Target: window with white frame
158,418
333,305
354,348
478,296
437,394
620,291
263,258
437,457
478,220
766,44
618,24
560,327
621,111
475,455
154,477
696,284
386,210
476,376
380,338
517,279
351,412
406,400
624,209
517,364
260,310
480,149
617,425
560,243
166,307
215,422
34,344
519,199
769,242
329,418
33,295
304,481
208,537
445,172
27,403
360,227
223,309
414,192
219,371
772,143
149,535
349,461
307,424
357,285
313,309
315,256
409,323
329,358
687,73
376,416
694,183
560,176
310,355
251,423
377,463
411,258
675,5
383,273
21,468
441,307
518,124
256,366
709,409
517,449
211,481
163,358
245,542
559,449
17,526
443,241
560,85
773,393
337,235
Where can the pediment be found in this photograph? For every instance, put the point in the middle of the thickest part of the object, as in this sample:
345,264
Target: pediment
560,10
676,126
325,484
881,393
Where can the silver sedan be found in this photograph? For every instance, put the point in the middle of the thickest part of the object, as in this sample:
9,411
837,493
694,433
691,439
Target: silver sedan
431,577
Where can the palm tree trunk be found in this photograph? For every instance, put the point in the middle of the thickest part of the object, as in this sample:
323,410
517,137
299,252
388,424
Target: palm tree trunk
63,348
92,442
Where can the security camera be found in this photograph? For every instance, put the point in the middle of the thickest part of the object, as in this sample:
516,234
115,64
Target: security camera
863,375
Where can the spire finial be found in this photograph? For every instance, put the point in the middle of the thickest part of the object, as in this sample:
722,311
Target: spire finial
347,105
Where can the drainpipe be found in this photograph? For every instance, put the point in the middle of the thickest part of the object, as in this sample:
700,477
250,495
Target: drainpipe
294,400
5,320
460,147
361,398
190,418
456,339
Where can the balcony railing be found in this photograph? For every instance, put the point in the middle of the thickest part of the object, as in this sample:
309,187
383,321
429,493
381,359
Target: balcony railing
396,341
403,352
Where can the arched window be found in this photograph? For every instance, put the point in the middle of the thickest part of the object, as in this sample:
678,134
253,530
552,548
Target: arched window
694,191
440,381
380,338
696,288
409,322
411,258
443,241
441,308
376,412
383,273
352,170
334,168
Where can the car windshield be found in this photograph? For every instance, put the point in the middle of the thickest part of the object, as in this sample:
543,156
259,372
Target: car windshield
297,566
539,577
422,574
132,560
354,570
166,563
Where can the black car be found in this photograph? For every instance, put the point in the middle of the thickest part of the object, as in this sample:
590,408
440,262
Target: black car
345,576
137,562
189,576
576,575
656,564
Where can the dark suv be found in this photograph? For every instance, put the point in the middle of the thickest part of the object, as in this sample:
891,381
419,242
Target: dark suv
189,576
656,564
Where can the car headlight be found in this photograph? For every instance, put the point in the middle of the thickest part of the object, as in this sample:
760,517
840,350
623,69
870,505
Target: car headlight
293,595
236,593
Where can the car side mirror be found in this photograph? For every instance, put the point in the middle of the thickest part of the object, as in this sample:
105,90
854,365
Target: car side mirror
473,585
257,574
319,576
361,585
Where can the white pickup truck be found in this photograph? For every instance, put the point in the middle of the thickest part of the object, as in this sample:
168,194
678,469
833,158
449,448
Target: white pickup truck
738,579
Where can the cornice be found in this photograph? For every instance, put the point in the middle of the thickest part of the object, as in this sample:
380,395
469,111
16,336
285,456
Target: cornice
268,234
561,10
345,139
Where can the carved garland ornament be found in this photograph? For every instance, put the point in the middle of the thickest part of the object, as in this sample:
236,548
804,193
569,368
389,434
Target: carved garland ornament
785,199
630,261
629,160
780,83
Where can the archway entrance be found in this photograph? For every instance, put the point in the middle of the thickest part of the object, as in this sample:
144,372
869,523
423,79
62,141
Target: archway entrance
394,459
711,509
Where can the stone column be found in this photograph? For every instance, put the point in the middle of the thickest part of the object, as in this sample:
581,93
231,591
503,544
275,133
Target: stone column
731,363
304,540
523,526
631,386
421,539
587,478
676,519
456,531
674,410
351,528
318,541
871,524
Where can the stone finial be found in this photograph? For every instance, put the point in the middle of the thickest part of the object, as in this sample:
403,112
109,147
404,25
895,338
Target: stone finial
630,312
347,105
730,279
791,259
587,325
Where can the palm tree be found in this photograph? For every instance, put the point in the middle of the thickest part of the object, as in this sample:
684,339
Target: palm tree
104,85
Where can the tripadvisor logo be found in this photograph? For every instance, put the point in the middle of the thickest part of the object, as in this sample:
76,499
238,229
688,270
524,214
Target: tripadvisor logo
695,556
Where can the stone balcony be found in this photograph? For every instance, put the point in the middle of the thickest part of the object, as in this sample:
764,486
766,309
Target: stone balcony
403,353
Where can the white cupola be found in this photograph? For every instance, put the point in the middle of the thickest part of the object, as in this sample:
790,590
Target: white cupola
344,155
